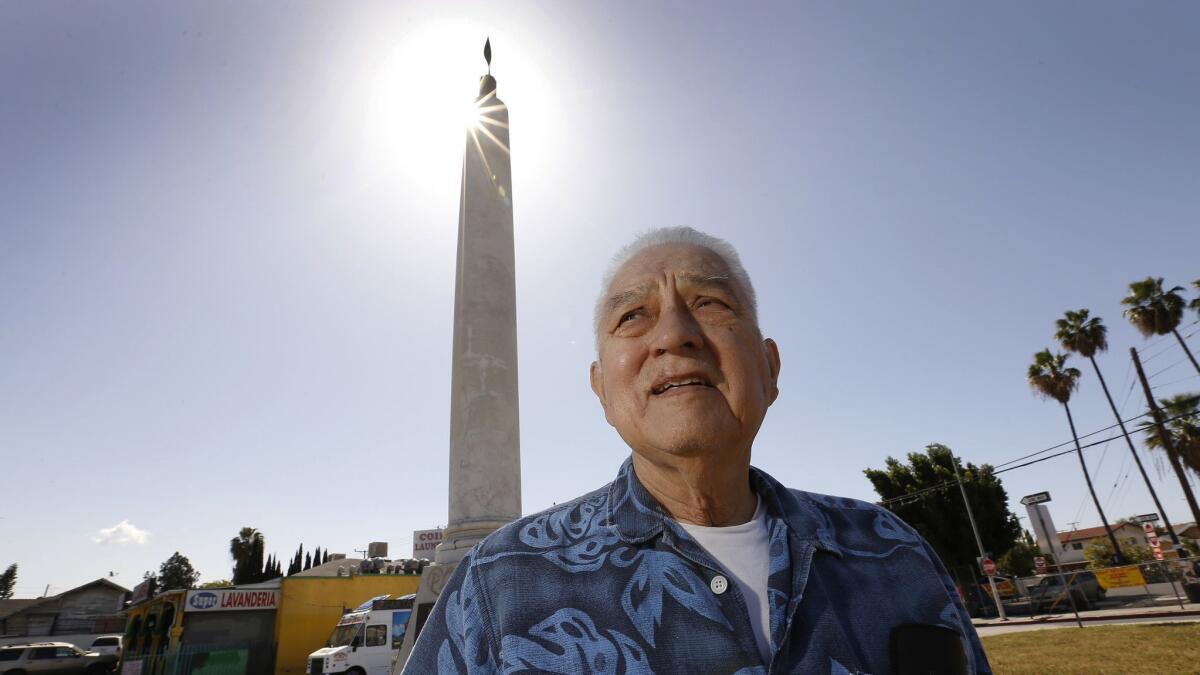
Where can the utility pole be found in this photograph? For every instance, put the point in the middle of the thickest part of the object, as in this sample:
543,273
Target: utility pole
1169,445
978,541
1137,460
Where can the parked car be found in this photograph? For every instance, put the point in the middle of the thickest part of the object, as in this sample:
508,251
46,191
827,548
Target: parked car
107,644
1085,588
53,657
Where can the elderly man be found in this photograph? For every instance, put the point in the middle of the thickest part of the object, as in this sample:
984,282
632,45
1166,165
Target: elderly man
692,561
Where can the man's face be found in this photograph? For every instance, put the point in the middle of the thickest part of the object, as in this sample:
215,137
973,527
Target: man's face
683,369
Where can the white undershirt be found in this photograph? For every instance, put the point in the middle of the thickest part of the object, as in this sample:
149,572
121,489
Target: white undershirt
743,552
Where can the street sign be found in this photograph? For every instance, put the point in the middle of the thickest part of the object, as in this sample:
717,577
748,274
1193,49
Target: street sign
1148,529
1036,498
989,567
1146,518
1039,563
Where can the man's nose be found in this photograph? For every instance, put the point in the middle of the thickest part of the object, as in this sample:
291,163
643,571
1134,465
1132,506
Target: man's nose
677,331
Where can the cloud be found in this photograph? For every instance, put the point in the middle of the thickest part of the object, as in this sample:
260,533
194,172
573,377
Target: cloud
123,532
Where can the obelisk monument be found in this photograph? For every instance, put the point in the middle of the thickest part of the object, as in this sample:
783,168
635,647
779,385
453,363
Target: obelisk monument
485,449
485,453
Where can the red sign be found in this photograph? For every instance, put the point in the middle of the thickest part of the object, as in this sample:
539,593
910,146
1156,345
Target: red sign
1039,564
989,567
425,542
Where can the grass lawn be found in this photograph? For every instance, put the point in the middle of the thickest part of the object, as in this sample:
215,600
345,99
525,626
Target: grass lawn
1116,650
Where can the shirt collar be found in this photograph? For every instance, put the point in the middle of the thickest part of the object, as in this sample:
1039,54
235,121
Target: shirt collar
638,517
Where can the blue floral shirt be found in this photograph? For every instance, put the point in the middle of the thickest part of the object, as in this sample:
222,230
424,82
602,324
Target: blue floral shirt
609,583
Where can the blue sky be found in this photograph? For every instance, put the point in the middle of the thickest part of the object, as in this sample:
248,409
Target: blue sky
226,256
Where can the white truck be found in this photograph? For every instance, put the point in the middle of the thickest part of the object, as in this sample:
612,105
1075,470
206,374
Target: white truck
365,640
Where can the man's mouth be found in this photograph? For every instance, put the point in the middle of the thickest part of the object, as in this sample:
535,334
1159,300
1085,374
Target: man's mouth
680,382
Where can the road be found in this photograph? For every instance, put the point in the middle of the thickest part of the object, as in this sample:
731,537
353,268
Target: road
984,631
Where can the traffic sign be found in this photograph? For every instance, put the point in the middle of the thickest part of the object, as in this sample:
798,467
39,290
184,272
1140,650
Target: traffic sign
989,567
1147,528
1036,498
1039,563
1146,518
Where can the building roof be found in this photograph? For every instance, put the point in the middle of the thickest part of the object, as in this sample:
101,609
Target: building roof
7,609
1089,533
10,607
330,569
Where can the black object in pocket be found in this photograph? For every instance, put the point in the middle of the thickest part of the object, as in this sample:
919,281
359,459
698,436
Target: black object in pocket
923,649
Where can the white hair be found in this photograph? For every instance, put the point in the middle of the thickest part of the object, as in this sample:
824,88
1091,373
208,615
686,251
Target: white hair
677,235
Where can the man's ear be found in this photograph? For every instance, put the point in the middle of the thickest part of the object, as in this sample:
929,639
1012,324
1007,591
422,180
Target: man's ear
771,350
597,377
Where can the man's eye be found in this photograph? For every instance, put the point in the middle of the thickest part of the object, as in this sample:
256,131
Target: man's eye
629,316
710,302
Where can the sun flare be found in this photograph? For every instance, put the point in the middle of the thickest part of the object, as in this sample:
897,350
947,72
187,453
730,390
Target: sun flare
424,105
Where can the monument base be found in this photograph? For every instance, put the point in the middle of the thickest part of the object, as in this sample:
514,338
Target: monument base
433,580
458,540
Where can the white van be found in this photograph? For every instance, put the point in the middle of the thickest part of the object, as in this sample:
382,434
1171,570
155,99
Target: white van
366,640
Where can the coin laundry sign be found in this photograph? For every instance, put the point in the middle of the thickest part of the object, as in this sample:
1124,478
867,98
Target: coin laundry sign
225,599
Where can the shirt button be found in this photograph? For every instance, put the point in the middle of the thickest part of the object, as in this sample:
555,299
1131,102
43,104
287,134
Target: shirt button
719,584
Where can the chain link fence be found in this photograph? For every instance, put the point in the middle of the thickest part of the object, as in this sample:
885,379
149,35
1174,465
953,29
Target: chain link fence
1165,583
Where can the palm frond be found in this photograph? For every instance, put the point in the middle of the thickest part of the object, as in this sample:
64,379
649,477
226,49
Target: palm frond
1151,309
1182,421
1049,377
1080,334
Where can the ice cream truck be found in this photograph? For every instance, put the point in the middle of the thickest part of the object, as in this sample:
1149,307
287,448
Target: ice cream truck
365,640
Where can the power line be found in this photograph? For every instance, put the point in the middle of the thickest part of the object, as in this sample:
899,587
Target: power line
1173,382
1163,370
1167,345
912,496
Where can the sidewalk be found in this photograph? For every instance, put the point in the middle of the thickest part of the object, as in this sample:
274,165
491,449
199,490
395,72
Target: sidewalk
1189,609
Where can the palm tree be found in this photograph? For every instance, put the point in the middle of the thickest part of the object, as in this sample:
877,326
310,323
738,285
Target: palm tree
1182,422
244,548
1085,335
1154,311
1196,300
1049,377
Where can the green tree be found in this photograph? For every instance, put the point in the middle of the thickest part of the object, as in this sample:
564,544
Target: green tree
938,514
246,551
176,573
1018,560
1155,311
219,583
1049,377
1196,300
1182,422
8,581
1099,553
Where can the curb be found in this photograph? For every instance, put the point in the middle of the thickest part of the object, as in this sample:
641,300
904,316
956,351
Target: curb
1070,618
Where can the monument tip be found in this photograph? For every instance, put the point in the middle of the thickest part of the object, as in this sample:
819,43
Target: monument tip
487,53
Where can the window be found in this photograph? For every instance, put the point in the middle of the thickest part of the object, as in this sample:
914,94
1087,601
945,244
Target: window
65,653
10,654
42,653
1077,546
377,635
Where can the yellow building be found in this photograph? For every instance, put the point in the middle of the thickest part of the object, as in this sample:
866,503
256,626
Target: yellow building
247,629
311,605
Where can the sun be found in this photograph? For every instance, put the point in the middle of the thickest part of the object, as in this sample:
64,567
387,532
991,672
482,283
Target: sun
421,109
